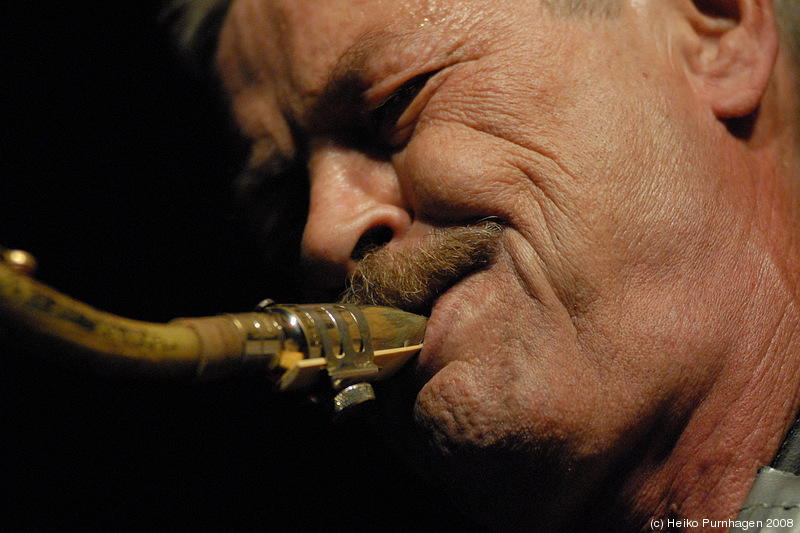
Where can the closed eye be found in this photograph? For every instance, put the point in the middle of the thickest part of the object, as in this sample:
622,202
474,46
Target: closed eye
388,116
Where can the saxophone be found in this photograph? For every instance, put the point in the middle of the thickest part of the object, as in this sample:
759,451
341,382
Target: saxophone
298,347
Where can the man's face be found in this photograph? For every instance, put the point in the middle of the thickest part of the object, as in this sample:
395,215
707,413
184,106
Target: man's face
601,320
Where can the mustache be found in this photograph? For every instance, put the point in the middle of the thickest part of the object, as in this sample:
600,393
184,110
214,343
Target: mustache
412,280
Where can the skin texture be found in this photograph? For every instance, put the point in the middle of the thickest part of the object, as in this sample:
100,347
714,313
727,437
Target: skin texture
627,351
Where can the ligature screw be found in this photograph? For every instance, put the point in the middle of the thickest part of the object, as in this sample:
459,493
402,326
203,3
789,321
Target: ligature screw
349,398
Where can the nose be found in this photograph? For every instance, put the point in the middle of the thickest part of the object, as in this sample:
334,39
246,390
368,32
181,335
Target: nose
355,204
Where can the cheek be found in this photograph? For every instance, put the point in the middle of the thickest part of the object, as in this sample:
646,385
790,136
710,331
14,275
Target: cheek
452,173
516,373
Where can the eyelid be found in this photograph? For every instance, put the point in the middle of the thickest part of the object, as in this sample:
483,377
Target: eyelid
400,109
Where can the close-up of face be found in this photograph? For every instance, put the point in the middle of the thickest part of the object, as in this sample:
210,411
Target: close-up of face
575,353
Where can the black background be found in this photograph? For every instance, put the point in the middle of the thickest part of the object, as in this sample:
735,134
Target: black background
115,175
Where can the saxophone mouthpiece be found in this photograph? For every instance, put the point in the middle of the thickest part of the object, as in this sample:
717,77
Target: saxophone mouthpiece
299,344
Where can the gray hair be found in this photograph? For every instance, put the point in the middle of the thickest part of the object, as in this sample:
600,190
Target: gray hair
194,26
195,23
592,7
788,14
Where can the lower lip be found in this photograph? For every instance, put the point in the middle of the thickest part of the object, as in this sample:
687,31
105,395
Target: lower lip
446,315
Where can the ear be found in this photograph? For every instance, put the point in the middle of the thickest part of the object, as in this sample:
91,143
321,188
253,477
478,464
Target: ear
731,52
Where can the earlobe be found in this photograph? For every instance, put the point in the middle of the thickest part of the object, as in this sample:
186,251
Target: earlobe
732,54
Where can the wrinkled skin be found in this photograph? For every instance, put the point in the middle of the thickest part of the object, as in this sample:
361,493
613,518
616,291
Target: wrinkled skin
605,361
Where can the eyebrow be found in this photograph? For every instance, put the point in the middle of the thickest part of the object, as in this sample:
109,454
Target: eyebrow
347,79
356,57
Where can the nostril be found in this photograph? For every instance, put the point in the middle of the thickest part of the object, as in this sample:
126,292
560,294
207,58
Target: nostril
373,239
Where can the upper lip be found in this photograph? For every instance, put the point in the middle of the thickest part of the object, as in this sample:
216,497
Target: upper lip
413,281
427,300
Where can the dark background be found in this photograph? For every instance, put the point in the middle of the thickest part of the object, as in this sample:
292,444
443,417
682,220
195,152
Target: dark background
115,169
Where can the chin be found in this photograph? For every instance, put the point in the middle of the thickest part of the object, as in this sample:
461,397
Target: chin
494,469
477,446
476,422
